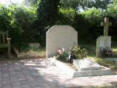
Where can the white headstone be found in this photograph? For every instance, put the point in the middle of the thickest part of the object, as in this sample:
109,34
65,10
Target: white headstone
60,36
103,42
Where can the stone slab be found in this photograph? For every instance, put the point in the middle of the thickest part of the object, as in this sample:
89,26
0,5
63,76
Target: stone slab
60,36
86,64
87,67
99,72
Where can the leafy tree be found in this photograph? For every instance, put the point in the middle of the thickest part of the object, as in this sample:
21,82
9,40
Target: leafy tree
69,3
4,19
66,16
22,20
114,1
47,14
33,3
102,4
48,11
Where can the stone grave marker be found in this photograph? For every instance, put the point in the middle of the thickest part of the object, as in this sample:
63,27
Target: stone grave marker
104,42
60,36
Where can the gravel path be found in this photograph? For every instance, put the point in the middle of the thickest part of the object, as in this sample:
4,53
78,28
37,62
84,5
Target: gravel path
38,73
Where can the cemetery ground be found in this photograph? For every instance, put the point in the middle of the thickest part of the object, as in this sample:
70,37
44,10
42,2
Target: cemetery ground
31,70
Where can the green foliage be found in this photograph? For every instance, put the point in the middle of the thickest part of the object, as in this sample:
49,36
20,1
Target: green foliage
47,12
4,19
33,3
114,1
102,4
22,19
69,3
62,56
112,10
29,23
78,52
88,24
66,16
21,23
112,13
93,15
84,4
18,21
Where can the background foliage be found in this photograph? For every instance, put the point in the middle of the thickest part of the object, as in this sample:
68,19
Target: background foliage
29,22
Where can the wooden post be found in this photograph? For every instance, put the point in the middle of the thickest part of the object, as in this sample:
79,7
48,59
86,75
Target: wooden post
9,47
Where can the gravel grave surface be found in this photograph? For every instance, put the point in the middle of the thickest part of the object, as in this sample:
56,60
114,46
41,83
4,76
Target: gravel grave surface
47,73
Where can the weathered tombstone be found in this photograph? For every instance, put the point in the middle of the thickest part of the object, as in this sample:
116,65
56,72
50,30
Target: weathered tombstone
60,36
104,42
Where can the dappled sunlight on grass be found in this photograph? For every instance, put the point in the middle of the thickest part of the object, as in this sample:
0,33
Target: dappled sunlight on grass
101,60
104,62
40,53
26,54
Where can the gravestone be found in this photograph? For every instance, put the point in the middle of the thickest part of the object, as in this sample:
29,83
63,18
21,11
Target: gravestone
60,36
104,42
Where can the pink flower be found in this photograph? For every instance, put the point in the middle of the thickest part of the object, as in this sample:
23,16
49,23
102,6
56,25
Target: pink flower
60,51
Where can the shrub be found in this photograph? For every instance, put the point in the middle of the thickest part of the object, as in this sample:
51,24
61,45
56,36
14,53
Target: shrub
47,11
78,52
88,24
66,16
4,19
21,23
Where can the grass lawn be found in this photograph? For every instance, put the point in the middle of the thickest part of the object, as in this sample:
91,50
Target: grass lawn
41,53
25,54
101,60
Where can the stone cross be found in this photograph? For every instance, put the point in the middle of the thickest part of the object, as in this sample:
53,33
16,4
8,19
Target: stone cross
106,25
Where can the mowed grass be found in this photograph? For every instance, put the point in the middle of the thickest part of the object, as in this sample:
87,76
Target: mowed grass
38,53
34,53
101,60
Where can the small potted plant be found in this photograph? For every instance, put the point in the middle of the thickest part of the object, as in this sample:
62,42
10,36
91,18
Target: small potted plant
78,53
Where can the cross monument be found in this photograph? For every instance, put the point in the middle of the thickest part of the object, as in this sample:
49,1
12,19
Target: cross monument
106,25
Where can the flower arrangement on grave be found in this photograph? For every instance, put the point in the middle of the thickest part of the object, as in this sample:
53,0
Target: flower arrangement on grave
106,52
74,53
61,54
78,52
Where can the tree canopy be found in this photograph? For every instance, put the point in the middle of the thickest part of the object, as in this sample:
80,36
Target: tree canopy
47,11
102,4
29,22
